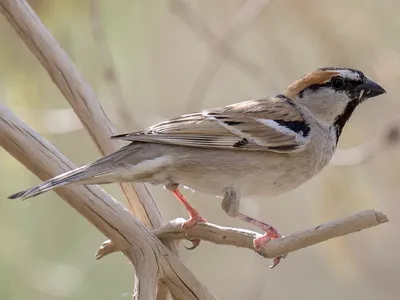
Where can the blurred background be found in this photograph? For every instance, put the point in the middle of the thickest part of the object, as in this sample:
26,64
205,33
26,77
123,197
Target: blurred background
152,60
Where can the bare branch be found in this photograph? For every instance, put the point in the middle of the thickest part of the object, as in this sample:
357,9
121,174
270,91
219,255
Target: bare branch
151,259
244,238
105,249
78,93
293,242
81,98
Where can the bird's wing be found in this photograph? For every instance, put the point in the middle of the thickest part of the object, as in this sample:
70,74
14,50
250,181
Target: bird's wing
273,124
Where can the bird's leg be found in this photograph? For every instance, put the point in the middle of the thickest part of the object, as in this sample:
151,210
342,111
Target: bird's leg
230,204
194,215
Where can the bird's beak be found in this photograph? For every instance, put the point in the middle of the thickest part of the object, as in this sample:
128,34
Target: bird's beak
370,89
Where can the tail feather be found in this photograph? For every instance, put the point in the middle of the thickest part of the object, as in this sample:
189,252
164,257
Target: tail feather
104,170
75,175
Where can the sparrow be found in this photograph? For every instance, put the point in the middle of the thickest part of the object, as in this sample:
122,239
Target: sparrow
262,147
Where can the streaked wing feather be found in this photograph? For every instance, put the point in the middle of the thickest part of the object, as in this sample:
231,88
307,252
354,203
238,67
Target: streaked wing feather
250,125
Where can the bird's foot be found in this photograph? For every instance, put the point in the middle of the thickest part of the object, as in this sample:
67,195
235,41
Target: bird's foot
193,214
193,220
270,234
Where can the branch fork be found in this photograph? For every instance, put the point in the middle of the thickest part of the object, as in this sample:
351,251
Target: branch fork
244,238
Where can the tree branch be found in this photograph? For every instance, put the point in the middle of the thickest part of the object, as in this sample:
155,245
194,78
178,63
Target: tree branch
244,238
290,243
79,94
151,259
81,98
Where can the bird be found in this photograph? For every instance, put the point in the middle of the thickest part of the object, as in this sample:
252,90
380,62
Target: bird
263,147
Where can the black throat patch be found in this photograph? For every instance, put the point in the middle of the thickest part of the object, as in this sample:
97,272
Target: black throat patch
342,119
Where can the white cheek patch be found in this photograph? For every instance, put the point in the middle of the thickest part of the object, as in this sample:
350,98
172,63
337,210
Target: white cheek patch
298,136
361,94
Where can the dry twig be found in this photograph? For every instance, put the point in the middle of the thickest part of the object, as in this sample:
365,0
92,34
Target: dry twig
78,93
80,96
152,260
244,238
293,242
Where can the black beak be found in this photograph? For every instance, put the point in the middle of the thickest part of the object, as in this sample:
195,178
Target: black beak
371,89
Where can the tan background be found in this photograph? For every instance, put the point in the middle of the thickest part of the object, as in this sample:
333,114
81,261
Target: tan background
165,63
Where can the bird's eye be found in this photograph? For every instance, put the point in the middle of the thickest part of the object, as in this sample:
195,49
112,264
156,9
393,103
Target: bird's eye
337,83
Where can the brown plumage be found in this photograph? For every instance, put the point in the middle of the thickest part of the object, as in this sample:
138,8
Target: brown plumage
228,127
317,77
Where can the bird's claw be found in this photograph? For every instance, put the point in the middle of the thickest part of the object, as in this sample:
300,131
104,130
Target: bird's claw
195,244
194,219
260,241
277,260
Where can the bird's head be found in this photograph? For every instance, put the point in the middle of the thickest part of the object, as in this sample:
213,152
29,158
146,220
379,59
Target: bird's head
332,94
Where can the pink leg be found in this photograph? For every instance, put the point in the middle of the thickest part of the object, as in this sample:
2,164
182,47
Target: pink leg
194,215
270,234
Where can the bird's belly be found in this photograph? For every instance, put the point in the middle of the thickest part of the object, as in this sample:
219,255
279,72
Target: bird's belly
252,185
260,180
274,184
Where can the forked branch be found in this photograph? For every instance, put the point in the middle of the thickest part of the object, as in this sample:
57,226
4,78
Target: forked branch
151,259
244,238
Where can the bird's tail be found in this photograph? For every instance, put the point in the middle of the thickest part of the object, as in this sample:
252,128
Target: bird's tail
81,174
